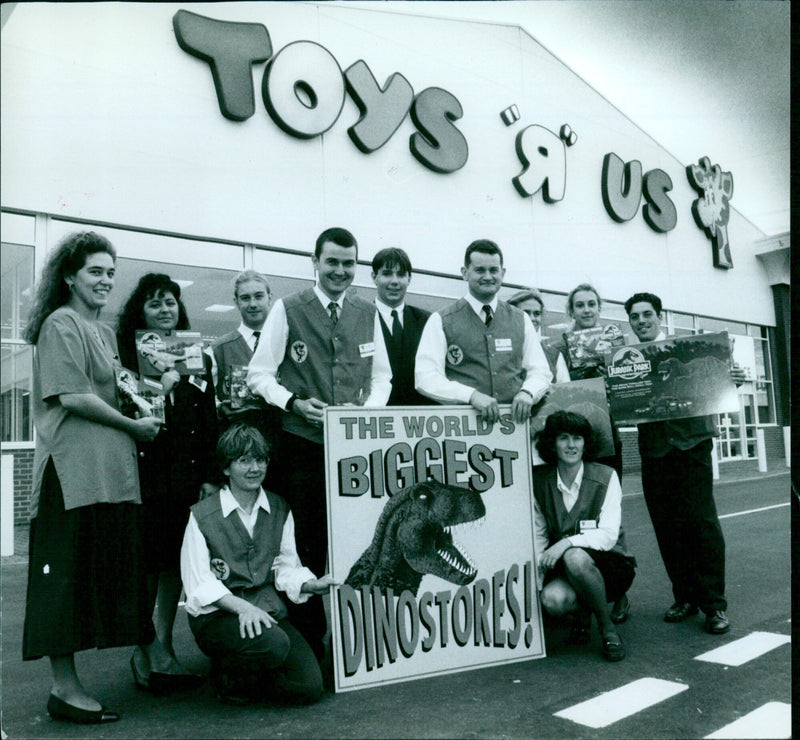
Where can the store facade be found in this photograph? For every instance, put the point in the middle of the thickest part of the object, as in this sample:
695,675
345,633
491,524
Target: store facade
203,139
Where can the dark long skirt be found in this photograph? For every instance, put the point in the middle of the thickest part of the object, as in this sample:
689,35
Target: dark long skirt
85,585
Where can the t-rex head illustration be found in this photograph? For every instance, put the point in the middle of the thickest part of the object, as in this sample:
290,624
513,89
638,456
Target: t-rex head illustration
412,537
668,366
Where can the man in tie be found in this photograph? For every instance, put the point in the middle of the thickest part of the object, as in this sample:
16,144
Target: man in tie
319,347
479,350
231,355
401,324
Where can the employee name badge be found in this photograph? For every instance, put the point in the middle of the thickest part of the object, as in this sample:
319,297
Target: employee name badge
367,350
502,345
587,524
198,383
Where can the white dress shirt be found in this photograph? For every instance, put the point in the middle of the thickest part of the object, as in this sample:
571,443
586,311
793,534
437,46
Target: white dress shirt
262,374
607,532
203,588
386,312
430,376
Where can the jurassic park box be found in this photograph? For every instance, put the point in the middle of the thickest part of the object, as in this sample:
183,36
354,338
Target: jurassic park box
430,542
676,378
159,351
587,347
139,397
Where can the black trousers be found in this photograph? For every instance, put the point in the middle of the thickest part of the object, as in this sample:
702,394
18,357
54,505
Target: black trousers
678,490
297,474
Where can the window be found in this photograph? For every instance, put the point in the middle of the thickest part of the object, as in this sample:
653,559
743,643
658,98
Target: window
16,356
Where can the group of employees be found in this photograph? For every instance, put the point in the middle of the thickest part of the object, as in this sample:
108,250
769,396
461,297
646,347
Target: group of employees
128,513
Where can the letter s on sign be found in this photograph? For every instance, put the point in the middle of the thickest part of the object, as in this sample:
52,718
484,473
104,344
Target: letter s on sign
439,145
303,89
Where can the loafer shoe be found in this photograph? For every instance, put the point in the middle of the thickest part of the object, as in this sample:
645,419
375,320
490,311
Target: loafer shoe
621,610
612,649
59,709
717,622
679,612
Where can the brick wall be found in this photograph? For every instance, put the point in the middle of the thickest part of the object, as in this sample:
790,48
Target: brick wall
23,482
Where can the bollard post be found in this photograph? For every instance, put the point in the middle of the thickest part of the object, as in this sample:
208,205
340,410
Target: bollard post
787,445
714,461
761,451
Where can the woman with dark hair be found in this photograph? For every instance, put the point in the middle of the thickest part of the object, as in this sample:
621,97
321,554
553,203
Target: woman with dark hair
85,586
174,469
578,537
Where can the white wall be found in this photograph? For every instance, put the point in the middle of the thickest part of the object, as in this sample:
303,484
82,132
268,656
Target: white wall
105,117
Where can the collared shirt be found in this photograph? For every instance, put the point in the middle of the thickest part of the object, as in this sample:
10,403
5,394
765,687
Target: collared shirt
430,375
386,312
263,371
607,532
203,588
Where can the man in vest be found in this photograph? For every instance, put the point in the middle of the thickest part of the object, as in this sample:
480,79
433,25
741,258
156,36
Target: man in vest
232,353
677,481
320,347
401,324
238,553
479,350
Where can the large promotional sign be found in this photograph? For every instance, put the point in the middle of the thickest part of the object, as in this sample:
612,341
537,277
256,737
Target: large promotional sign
675,378
430,530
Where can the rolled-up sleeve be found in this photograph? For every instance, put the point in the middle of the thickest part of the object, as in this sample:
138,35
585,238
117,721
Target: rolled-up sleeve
202,587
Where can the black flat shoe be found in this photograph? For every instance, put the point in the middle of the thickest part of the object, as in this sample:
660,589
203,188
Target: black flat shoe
621,610
612,649
59,709
679,612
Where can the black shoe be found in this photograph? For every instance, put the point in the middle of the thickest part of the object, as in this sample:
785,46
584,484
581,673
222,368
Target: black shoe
612,649
678,612
59,709
621,610
717,622
168,683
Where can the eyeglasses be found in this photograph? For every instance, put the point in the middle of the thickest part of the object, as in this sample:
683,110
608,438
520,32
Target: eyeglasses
248,461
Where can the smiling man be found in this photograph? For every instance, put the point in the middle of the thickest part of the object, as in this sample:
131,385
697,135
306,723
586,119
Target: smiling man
677,482
479,350
319,347
401,324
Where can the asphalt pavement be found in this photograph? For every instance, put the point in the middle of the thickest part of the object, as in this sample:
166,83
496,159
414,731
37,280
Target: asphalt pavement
534,699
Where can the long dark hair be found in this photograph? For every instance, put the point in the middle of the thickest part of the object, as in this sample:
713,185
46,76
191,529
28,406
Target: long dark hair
131,317
66,259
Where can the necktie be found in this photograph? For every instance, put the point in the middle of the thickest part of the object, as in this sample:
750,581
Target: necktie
333,307
397,327
257,335
487,312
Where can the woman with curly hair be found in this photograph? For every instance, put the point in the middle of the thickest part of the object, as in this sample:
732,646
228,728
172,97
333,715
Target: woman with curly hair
85,586
174,468
578,537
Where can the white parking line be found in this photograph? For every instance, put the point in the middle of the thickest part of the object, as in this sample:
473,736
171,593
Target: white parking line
771,720
753,511
744,649
614,705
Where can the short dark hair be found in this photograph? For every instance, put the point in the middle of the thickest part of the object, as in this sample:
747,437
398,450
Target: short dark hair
484,246
239,440
392,257
586,287
650,298
560,422
337,235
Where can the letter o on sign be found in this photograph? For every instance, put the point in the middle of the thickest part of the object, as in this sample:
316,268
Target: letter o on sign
303,89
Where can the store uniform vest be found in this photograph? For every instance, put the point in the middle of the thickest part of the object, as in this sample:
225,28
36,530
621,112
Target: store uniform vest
229,351
242,563
562,523
488,359
331,362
